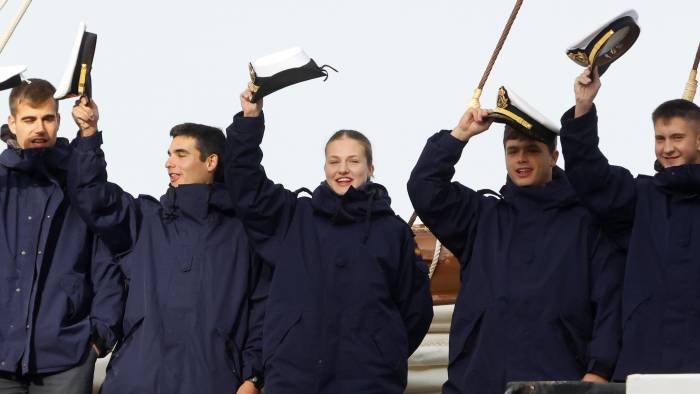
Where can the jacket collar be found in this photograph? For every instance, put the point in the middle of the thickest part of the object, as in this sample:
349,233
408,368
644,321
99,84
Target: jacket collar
683,180
555,194
354,205
196,200
49,162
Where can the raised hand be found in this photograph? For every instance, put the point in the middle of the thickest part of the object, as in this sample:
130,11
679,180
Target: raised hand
473,122
586,88
250,109
86,114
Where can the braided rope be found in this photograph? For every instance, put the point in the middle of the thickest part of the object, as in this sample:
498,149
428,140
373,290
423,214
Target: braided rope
477,92
436,258
501,41
692,85
412,220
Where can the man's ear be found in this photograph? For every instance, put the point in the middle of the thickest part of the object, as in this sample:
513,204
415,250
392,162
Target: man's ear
212,162
11,123
555,157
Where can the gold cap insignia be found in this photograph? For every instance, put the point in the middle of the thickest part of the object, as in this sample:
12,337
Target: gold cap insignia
502,101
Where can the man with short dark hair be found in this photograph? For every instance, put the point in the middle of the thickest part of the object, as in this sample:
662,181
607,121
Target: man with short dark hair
539,296
193,320
61,295
657,219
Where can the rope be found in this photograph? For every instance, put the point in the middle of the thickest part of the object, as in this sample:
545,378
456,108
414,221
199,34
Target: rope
436,258
436,253
14,23
412,220
692,85
477,92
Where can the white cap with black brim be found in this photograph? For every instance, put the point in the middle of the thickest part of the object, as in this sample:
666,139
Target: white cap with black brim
11,76
517,113
281,69
76,81
607,43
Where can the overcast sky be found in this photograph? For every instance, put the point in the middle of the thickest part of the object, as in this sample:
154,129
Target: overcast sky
407,69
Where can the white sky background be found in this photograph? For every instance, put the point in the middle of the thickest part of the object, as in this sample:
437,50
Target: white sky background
407,69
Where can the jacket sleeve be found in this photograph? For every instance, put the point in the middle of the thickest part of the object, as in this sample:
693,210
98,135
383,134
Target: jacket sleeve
261,274
413,294
607,266
265,208
108,297
449,209
609,192
109,211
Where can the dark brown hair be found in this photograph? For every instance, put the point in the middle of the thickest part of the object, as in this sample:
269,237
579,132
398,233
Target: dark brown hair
35,91
511,133
357,136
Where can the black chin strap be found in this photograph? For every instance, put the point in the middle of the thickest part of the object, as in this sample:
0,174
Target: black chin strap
325,72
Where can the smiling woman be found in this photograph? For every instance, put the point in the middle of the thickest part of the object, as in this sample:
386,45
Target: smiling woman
349,298
348,160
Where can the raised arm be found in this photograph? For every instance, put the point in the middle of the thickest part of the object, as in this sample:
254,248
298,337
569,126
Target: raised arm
105,207
608,191
265,208
449,209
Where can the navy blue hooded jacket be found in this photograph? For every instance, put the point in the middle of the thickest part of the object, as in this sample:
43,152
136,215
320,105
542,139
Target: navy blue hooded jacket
349,299
193,315
540,294
59,289
657,219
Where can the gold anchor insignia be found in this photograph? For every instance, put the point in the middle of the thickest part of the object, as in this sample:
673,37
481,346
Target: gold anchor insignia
502,101
578,57
253,76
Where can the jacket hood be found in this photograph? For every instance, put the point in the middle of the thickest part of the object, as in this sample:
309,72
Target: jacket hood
356,205
52,162
196,200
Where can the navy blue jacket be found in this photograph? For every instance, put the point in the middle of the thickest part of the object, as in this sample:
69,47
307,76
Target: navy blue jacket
657,219
349,299
193,315
540,294
59,289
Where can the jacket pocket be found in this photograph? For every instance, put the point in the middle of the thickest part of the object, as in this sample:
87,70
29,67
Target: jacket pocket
464,335
74,288
231,352
392,346
126,341
276,329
